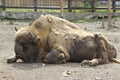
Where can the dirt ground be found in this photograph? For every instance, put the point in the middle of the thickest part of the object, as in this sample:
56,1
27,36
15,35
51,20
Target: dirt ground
68,71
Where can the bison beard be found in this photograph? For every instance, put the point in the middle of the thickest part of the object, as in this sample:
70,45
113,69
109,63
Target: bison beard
54,40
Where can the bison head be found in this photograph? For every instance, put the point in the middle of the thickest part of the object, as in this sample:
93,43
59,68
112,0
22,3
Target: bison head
26,46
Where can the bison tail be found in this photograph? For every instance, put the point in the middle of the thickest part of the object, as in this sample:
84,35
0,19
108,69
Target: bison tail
116,60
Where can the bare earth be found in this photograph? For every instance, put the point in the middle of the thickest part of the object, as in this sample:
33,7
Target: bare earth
68,71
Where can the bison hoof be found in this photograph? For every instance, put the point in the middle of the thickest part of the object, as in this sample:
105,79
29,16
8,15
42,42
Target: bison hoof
85,62
11,60
92,62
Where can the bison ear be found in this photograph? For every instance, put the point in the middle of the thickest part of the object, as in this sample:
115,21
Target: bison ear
49,19
34,38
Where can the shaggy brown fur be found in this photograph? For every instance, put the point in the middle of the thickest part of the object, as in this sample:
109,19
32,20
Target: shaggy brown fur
26,45
58,40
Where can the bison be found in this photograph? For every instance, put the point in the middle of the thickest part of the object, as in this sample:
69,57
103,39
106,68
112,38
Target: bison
55,40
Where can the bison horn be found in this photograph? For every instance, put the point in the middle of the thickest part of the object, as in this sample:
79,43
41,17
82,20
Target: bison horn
16,29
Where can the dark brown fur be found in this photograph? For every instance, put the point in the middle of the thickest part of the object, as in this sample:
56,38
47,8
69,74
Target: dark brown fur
26,46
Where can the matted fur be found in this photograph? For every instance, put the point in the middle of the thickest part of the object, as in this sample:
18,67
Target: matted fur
65,41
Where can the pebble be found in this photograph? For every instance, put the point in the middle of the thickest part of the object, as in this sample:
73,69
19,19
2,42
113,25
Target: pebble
34,66
98,78
68,73
43,64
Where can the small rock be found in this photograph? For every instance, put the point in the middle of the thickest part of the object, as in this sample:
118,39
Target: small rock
98,78
4,77
34,66
11,23
1,72
107,73
85,28
67,73
43,64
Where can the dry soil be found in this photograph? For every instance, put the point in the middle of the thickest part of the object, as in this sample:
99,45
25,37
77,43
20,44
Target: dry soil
68,71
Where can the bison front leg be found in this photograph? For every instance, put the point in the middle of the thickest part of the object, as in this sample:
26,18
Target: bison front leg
101,55
55,56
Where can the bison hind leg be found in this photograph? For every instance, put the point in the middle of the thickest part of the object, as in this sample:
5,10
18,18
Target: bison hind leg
115,60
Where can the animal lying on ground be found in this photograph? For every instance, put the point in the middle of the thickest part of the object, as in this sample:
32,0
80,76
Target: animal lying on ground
54,40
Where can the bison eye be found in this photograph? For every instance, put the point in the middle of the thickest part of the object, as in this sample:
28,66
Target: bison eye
25,45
